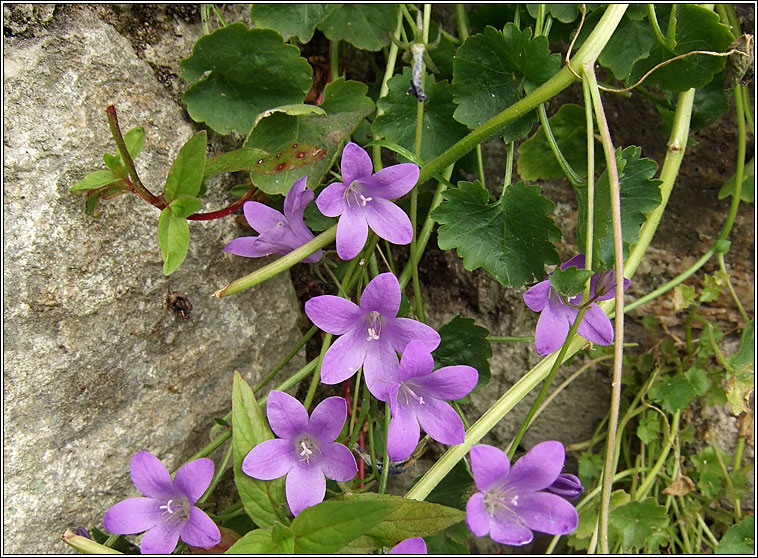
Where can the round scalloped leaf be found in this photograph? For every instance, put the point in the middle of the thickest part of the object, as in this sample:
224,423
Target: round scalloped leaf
290,20
239,73
366,26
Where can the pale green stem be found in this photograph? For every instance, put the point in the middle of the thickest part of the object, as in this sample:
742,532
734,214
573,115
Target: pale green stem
498,339
85,545
570,173
508,178
316,378
590,225
728,479
647,484
682,527
386,460
540,20
460,17
385,88
334,60
654,24
714,541
218,15
722,266
219,472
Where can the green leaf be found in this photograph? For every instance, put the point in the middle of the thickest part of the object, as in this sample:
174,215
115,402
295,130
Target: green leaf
713,286
590,465
408,518
453,489
95,180
263,500
536,160
747,193
640,194
290,157
173,238
697,28
398,122
698,378
745,356
565,13
709,474
631,41
291,20
135,141
493,70
569,282
329,526
464,342
649,427
739,539
675,393
588,518
239,73
258,542
684,296
345,104
453,540
184,206
738,389
365,26
511,238
186,174
94,197
638,522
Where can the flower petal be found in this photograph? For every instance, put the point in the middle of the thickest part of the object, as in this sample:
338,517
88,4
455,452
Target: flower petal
269,460
331,200
552,329
286,415
416,362
414,545
477,519
132,515
596,326
380,366
382,294
488,465
538,468
248,247
441,422
404,330
507,531
337,462
344,357
333,314
150,476
391,182
448,383
577,261
161,539
200,530
355,164
194,478
536,297
389,221
547,513
327,419
403,433
352,232
296,199
305,486
262,217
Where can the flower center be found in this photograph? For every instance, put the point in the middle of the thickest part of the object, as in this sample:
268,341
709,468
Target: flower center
408,391
355,196
500,499
305,448
176,511
375,323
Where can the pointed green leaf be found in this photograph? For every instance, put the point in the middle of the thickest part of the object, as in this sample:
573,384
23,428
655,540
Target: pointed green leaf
739,539
464,342
263,500
184,206
173,238
135,141
291,20
238,73
747,194
256,543
290,157
186,174
94,197
345,104
511,238
365,26
94,180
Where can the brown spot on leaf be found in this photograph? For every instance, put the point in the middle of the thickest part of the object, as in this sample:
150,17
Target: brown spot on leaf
281,166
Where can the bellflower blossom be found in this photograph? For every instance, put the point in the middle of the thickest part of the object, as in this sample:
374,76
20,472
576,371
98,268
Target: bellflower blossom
557,315
279,234
362,200
414,545
417,397
167,512
513,501
370,334
305,450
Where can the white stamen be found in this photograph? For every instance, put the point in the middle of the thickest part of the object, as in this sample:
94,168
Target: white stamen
420,400
357,196
167,507
514,500
306,452
375,326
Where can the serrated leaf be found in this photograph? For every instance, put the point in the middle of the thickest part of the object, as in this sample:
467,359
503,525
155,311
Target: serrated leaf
184,206
571,281
464,342
649,427
684,296
739,539
569,126
94,180
631,41
588,515
256,543
290,157
494,69
239,73
638,521
263,500
640,194
709,473
329,526
747,194
510,238
698,378
365,26
398,121
713,285
590,465
186,174
674,393
173,238
697,28
291,20
345,104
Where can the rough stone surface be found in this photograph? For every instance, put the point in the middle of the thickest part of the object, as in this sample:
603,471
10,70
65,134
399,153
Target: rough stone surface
86,384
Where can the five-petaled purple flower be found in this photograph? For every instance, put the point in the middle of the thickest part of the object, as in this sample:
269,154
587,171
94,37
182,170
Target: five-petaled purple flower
417,396
362,200
370,333
414,545
279,234
512,501
167,512
557,315
305,450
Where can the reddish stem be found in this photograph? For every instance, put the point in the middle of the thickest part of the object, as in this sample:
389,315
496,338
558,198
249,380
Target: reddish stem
227,210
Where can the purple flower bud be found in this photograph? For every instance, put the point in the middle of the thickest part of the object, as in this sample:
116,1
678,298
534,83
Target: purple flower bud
414,545
567,486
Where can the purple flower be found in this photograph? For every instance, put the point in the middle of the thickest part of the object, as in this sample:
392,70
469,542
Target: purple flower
512,501
279,234
370,333
566,486
305,450
168,511
557,315
414,545
417,397
362,200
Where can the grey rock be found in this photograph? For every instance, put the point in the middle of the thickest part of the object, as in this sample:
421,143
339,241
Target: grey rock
86,384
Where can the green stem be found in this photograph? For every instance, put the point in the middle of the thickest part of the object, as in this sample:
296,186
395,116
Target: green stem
570,173
316,378
218,15
508,178
217,442
365,406
714,541
647,484
682,527
310,333
499,339
728,479
386,460
219,472
376,153
654,24
85,545
334,60
590,225
671,29
462,21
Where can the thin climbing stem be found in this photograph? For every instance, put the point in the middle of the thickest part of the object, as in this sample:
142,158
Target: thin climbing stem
740,308
570,173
